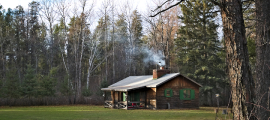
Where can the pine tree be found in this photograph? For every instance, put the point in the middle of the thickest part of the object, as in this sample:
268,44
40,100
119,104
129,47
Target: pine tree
121,43
12,87
103,84
65,88
104,46
198,46
136,28
19,40
99,35
136,42
45,85
121,29
49,82
29,83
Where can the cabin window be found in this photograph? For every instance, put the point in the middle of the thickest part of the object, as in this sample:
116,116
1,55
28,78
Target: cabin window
137,96
187,94
168,92
134,96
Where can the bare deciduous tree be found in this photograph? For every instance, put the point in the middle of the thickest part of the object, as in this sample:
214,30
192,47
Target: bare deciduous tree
48,12
162,31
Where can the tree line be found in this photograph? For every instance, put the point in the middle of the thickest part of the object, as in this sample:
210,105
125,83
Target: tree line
59,48
48,51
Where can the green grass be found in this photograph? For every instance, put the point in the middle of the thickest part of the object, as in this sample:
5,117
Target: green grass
84,112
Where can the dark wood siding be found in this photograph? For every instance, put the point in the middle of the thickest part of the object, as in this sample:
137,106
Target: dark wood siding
176,84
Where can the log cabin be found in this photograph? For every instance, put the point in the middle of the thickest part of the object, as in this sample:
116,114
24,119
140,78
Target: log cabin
162,90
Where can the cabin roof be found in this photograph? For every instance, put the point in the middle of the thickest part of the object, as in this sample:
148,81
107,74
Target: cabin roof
147,81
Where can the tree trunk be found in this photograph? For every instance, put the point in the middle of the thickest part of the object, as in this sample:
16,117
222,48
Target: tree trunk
106,44
113,41
262,57
237,56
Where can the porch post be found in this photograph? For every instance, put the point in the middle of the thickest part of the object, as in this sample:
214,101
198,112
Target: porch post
112,95
127,100
145,98
117,100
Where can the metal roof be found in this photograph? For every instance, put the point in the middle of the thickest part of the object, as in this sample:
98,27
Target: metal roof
136,82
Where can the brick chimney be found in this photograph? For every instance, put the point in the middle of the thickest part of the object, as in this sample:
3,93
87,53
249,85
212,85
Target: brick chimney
159,73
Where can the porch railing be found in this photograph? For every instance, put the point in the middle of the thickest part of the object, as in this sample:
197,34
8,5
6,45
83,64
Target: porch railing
122,105
136,104
125,104
108,104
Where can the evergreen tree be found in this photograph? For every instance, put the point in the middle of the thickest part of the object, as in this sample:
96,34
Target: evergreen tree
121,29
30,83
136,43
48,83
86,92
198,46
136,28
45,85
6,39
19,40
65,88
103,84
12,87
101,35
121,46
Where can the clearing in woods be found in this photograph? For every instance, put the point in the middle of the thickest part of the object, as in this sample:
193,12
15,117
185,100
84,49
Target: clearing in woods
85,112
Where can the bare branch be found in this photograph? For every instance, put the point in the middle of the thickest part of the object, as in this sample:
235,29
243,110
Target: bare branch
160,5
166,8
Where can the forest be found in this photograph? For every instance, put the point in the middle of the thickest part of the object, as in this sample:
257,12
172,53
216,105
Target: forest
63,52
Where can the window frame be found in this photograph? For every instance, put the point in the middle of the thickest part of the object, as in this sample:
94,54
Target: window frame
166,90
192,94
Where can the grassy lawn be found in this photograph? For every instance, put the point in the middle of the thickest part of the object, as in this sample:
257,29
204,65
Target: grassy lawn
84,112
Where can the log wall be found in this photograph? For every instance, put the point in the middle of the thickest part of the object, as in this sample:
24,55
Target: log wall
176,84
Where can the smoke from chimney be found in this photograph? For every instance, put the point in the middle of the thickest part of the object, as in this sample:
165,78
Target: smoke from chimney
155,56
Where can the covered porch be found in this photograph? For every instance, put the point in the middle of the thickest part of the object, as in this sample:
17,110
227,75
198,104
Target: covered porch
126,99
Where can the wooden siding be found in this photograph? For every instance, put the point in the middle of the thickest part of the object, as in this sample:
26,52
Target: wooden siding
151,98
175,103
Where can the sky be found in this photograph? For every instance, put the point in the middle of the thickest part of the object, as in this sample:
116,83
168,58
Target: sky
141,4
13,3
